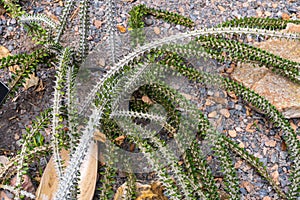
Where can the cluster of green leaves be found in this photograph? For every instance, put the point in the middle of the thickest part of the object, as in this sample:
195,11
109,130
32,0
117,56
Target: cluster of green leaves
13,7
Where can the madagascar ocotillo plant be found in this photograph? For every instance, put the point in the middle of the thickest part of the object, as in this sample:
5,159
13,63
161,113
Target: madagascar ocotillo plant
113,106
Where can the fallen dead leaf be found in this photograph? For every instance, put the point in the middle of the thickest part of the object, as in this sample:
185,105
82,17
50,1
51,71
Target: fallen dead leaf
131,147
31,81
119,140
2,10
40,87
147,100
14,69
283,146
143,192
88,176
98,136
121,28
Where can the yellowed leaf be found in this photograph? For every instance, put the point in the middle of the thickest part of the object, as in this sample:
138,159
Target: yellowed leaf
31,81
121,28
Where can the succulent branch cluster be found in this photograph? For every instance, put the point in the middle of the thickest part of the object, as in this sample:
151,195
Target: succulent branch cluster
182,122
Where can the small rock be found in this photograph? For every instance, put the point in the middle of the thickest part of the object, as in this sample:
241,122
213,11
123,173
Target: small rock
274,158
58,11
238,129
221,8
225,113
292,10
241,145
267,198
259,13
238,107
245,5
17,136
285,16
210,93
274,5
270,143
268,14
232,133
10,48
236,14
213,114
156,30
13,21
181,10
167,25
3,160
275,176
249,187
97,24
148,21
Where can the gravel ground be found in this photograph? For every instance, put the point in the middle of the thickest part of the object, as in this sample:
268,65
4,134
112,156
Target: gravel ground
231,116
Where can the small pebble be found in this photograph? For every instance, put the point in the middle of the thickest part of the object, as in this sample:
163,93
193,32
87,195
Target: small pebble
156,30
225,113
212,114
148,21
58,11
270,143
232,133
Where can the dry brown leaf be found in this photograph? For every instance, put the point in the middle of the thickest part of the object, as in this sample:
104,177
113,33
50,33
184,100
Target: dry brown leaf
147,100
121,28
119,140
31,81
88,176
40,87
144,192
283,146
14,69
99,136
2,10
